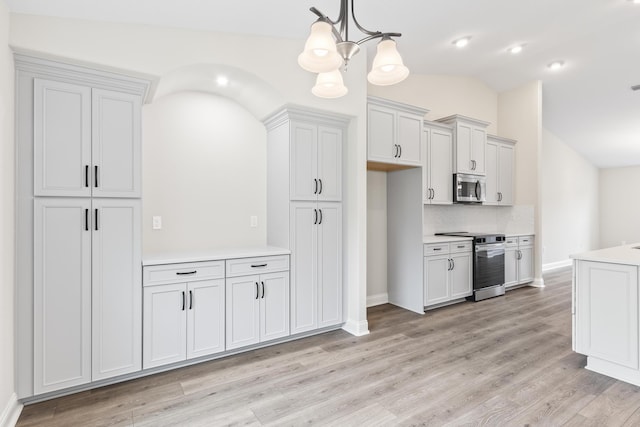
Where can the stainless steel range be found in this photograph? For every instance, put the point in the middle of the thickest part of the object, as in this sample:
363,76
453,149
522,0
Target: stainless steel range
488,264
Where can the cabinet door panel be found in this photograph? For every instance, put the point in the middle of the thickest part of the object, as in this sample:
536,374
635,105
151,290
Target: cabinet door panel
511,267
608,312
62,138
478,146
330,163
410,139
116,147
62,294
381,134
525,266
304,164
304,314
274,306
505,173
116,288
242,311
436,281
493,174
460,276
205,318
165,325
441,167
463,148
330,265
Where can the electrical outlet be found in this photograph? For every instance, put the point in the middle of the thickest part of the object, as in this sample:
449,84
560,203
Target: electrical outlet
254,221
156,222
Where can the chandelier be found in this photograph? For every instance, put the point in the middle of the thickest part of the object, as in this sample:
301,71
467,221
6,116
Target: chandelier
328,48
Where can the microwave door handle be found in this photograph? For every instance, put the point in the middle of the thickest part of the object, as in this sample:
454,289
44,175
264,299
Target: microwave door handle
476,190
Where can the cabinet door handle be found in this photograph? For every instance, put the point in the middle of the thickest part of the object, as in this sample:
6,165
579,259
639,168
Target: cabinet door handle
86,176
433,194
258,265
449,261
315,216
453,264
320,222
396,150
257,290
186,273
400,154
320,192
262,289
86,220
315,188
184,300
190,300
95,175
96,224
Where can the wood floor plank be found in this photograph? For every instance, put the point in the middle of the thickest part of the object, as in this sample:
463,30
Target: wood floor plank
504,361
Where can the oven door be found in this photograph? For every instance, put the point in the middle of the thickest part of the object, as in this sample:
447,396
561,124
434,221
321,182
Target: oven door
488,265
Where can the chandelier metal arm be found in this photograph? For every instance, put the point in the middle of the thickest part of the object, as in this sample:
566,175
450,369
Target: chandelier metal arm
378,35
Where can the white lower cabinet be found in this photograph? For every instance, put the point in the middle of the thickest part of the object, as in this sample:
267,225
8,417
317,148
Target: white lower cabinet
447,272
519,260
316,271
87,293
257,308
183,320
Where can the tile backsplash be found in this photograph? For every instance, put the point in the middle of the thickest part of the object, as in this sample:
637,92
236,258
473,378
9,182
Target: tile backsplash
489,219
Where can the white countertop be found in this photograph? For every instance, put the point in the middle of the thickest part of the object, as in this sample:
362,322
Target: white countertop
444,239
212,255
617,255
518,234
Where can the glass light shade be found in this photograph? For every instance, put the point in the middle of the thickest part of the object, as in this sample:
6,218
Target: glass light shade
320,55
329,85
388,68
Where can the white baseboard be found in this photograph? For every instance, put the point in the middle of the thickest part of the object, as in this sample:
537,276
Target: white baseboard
555,265
356,328
537,283
11,412
377,299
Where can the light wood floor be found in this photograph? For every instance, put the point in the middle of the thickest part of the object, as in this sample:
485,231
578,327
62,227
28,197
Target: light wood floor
504,361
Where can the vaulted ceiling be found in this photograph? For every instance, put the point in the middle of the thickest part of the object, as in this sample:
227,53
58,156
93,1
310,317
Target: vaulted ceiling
589,103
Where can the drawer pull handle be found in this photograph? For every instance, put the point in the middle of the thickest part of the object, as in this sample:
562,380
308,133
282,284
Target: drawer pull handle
186,273
258,265
437,249
461,247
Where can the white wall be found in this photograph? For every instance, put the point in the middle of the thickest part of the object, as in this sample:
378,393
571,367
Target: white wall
6,216
158,51
204,168
619,206
520,118
570,202
376,238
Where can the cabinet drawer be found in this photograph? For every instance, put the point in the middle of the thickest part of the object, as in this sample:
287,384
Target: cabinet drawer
511,242
183,272
460,246
525,240
246,266
436,249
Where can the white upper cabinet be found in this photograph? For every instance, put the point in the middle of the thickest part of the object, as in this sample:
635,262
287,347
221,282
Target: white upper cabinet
86,141
469,142
438,173
500,171
62,139
316,162
394,132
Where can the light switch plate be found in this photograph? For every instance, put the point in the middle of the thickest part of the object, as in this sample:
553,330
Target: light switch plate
157,222
254,221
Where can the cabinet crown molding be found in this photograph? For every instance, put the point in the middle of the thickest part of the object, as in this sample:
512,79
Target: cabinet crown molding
87,74
397,105
460,118
302,113
431,125
501,139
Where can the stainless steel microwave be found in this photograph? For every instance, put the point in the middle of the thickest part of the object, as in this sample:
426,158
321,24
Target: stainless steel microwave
469,188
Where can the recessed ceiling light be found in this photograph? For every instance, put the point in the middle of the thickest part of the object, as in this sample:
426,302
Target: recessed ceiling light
516,49
555,65
635,1
222,81
462,42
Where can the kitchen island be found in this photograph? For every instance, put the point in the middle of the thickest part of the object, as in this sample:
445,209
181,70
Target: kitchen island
605,311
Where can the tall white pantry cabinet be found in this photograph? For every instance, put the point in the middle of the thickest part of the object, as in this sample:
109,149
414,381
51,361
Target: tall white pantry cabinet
78,152
304,210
